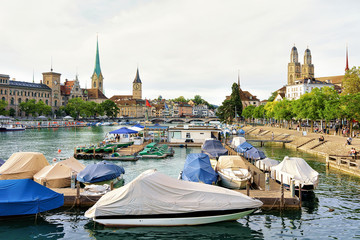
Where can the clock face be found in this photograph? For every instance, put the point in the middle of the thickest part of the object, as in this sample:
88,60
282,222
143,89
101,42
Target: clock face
136,86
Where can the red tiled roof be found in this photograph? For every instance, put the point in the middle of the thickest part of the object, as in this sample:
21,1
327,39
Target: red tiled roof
95,93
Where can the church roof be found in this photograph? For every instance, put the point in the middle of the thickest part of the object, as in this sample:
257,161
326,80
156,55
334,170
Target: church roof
137,77
332,79
95,93
121,97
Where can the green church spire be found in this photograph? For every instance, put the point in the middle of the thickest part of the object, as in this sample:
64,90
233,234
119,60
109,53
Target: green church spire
97,69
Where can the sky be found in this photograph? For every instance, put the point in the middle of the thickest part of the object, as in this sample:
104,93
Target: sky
182,48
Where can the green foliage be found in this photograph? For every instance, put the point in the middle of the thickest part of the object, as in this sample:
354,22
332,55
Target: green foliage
12,112
248,111
42,109
28,107
226,112
272,97
3,105
110,108
283,110
75,107
269,109
181,99
259,112
350,106
351,81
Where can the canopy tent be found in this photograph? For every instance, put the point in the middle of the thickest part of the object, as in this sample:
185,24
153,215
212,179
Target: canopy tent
123,130
24,196
214,148
22,165
153,193
297,169
99,172
68,118
138,129
59,174
254,153
41,118
230,162
244,147
266,164
237,141
197,168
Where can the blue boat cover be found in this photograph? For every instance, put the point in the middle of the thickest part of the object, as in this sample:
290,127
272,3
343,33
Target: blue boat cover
241,132
214,148
2,161
138,125
24,196
245,146
98,172
198,168
254,153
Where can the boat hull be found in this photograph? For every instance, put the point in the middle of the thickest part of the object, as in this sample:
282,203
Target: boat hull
229,182
177,221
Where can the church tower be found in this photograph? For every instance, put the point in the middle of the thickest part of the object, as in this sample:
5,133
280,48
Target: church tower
307,70
97,77
137,86
294,71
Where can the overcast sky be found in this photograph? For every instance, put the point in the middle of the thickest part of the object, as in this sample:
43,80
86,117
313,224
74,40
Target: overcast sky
182,48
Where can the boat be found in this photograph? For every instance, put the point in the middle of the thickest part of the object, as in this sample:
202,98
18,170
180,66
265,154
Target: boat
197,168
266,164
153,150
243,147
236,141
25,197
254,154
214,148
297,169
232,172
2,161
22,165
60,174
155,199
11,127
102,173
117,157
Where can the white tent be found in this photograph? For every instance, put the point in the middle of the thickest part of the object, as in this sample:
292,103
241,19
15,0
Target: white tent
237,141
154,193
297,169
22,165
266,164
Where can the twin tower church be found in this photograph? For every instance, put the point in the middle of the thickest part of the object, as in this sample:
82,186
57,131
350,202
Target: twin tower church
297,70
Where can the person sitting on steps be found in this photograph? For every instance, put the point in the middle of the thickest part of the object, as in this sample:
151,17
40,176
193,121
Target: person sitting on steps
348,141
321,138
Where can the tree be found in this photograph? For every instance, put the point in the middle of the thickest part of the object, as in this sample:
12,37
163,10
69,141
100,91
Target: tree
75,107
236,100
3,105
259,112
226,112
110,108
12,112
272,97
181,99
29,107
351,81
350,108
248,112
269,109
42,109
283,111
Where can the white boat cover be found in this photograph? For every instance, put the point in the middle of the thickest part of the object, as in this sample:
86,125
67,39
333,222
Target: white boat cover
297,169
230,162
22,165
155,193
266,164
237,141
59,174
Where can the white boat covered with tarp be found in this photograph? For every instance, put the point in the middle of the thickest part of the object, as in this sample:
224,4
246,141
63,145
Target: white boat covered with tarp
155,199
237,141
297,169
266,164
232,172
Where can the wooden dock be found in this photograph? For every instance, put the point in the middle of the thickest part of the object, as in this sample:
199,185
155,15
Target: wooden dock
263,141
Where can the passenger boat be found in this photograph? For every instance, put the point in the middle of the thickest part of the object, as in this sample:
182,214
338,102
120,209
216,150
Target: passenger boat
232,172
154,199
214,148
25,197
102,173
297,169
197,168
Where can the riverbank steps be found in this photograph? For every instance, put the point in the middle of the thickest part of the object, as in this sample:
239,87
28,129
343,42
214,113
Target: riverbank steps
333,148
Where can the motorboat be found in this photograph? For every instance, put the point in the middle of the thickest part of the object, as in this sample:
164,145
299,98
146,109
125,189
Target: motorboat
197,168
243,147
22,165
236,141
11,127
102,173
232,172
60,174
297,169
254,154
214,148
266,164
25,197
155,199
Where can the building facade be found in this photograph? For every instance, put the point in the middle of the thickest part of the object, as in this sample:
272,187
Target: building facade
300,87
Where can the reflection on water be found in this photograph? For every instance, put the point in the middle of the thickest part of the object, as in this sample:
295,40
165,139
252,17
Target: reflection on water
333,211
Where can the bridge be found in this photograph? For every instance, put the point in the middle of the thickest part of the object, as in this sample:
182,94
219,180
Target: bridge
175,119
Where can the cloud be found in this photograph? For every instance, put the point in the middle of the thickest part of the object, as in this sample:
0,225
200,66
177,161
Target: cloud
181,47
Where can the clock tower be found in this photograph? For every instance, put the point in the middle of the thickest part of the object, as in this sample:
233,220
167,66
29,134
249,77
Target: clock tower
294,70
52,80
137,86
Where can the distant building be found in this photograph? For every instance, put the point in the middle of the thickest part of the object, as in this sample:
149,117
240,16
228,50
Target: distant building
185,109
201,110
300,87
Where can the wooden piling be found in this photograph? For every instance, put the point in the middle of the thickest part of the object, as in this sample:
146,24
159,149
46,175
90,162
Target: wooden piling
282,193
300,195
78,194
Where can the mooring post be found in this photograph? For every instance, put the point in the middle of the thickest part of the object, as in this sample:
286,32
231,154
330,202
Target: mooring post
248,188
112,186
267,182
300,195
78,194
292,187
282,193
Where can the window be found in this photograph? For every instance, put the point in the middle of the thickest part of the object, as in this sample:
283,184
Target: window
188,135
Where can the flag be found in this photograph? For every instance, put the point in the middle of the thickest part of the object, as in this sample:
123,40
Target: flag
147,103
166,106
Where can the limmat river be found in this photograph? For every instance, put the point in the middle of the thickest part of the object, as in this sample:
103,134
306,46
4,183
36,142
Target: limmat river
336,191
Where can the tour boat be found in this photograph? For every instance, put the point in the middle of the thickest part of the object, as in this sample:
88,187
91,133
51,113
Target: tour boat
155,199
11,127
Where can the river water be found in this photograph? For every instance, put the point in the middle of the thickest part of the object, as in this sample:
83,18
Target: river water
338,192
